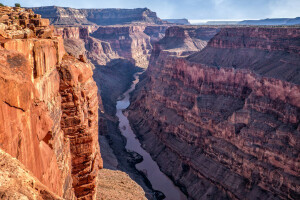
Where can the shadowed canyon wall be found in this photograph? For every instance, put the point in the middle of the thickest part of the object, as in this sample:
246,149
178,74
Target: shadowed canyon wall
223,123
49,107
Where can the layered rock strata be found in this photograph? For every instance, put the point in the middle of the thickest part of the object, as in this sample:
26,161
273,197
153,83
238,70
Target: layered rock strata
37,109
132,42
185,40
224,123
71,16
79,122
77,41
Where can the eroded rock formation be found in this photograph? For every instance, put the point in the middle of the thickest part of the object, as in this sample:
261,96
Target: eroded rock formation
48,107
224,122
132,42
77,41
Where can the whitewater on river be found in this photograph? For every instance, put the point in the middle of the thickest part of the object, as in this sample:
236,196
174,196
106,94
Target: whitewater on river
148,166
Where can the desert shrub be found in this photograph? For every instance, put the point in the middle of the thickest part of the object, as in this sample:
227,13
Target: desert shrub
17,5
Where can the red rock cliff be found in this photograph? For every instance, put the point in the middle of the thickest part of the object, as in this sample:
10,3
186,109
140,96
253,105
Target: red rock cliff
231,127
39,102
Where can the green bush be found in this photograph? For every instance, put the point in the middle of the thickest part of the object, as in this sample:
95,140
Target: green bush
1,4
17,5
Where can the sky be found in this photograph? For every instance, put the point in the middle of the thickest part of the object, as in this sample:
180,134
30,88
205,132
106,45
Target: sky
190,9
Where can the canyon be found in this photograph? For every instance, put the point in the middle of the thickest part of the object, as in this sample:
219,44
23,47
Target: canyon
215,114
223,122
49,116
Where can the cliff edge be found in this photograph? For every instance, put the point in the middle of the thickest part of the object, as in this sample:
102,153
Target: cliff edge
48,107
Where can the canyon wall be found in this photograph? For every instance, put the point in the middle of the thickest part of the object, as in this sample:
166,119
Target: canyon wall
49,107
130,42
223,123
185,40
77,41
103,44
71,16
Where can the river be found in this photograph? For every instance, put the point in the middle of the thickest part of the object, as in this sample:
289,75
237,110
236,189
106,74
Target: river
158,179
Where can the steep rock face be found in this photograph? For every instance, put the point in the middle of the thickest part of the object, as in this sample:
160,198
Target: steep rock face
31,105
185,40
80,124
31,108
155,32
232,130
128,41
78,42
71,16
132,42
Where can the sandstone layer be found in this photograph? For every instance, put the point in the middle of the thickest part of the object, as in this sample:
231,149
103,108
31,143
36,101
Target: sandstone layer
71,16
224,123
43,92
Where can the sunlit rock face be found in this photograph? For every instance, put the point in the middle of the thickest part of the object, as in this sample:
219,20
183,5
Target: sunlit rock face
224,122
36,108
71,16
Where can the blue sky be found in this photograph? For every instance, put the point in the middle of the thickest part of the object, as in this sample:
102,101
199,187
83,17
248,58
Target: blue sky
190,9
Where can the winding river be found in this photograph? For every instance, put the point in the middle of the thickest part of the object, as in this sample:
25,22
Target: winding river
158,179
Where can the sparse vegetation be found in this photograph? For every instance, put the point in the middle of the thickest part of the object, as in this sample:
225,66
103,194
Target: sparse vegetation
1,5
17,5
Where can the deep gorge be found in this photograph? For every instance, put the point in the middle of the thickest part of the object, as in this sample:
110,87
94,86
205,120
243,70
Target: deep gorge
217,107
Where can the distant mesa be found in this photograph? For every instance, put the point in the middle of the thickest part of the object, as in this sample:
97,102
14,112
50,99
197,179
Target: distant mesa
275,21
70,16
262,22
178,21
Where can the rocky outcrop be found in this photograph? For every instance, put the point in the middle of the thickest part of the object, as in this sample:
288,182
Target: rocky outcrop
115,184
79,122
71,16
227,117
42,94
19,183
